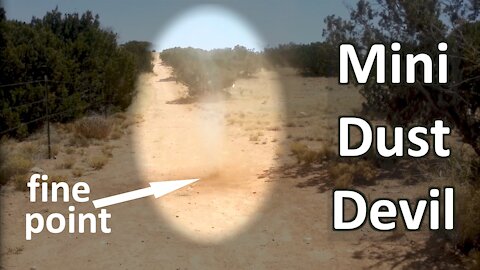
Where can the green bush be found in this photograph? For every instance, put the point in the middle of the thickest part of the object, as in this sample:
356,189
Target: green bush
314,59
87,70
141,53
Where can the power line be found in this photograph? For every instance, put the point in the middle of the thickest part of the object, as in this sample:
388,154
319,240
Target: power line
29,104
42,118
82,94
87,93
20,83
23,124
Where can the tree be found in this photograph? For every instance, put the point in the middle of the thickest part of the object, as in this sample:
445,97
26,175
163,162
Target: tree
87,70
141,53
210,71
314,59
419,26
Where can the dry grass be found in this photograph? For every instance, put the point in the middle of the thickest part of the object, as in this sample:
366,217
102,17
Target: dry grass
36,149
116,134
307,156
57,178
107,150
69,150
66,128
78,141
54,148
20,181
15,251
28,149
345,175
66,162
97,162
77,172
14,166
93,127
303,153
344,181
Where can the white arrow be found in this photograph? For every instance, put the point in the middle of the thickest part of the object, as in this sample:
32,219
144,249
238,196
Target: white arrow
157,189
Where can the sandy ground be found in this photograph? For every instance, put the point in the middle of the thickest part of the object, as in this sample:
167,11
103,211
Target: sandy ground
244,213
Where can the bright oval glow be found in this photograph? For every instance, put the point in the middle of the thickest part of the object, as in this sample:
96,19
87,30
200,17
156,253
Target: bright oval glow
208,27
226,143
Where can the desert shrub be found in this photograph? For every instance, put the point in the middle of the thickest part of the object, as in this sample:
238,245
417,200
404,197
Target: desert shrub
340,168
93,127
116,134
326,152
67,162
298,149
343,181
107,150
14,166
303,154
365,172
28,149
97,162
309,157
77,172
360,172
20,181
467,232
463,170
78,141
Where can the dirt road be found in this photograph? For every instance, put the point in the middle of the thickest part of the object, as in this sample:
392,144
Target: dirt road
238,216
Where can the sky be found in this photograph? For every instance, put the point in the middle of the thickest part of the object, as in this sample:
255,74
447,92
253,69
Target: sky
201,24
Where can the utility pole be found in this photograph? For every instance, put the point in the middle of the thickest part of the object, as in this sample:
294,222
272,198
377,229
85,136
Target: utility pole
47,110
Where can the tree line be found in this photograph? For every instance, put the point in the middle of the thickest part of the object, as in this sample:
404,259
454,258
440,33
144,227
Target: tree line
314,59
205,71
87,70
